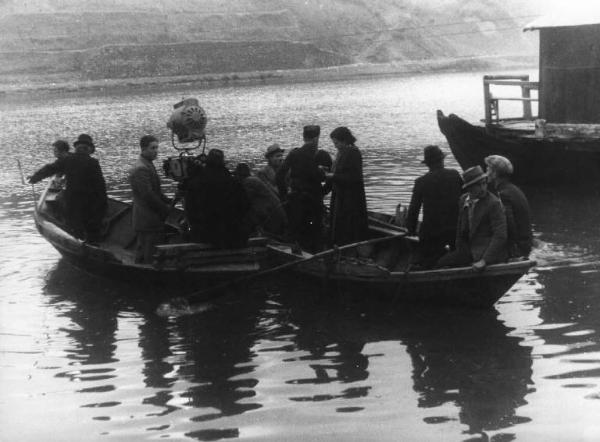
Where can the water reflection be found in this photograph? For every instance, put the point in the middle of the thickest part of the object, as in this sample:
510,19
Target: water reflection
466,358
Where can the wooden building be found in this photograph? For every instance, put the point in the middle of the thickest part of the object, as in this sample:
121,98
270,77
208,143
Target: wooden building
569,76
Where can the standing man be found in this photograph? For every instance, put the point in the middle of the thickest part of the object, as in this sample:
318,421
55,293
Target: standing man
85,197
516,206
481,232
150,205
268,173
305,198
437,192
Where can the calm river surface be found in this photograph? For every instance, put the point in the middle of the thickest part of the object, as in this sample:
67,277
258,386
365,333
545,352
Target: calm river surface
83,358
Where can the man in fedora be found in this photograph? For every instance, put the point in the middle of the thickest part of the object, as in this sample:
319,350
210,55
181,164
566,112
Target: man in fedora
267,173
481,232
305,197
85,193
437,193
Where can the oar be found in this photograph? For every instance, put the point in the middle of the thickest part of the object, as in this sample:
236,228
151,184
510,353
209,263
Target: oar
183,305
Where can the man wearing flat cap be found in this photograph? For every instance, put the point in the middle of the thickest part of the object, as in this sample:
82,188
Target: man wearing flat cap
304,201
85,194
268,172
481,231
437,192
516,206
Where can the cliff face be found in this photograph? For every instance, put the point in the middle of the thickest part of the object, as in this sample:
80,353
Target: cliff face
91,39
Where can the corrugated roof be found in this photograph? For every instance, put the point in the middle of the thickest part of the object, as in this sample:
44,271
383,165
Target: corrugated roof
575,16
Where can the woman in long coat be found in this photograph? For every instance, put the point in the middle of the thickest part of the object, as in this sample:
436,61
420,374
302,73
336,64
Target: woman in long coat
348,207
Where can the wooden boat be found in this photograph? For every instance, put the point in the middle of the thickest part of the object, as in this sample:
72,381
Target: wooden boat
379,266
560,146
382,270
177,261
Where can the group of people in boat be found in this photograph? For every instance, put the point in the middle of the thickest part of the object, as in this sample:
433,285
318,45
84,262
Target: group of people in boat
475,219
284,199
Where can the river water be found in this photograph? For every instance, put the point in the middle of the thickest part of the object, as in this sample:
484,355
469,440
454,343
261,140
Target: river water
83,358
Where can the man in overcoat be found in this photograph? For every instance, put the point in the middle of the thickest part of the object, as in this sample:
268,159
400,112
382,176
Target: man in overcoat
304,201
437,192
516,206
481,230
85,198
150,206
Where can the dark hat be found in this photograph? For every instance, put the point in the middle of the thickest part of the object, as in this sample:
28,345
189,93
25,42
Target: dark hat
273,149
432,154
473,175
85,139
311,131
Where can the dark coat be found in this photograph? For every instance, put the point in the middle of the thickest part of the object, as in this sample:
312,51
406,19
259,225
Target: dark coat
150,205
518,218
85,194
266,211
486,237
349,219
216,207
437,192
267,175
305,175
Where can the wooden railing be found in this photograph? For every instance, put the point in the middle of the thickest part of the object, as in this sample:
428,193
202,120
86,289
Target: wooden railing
492,111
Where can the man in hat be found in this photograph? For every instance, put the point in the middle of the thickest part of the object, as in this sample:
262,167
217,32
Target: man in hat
437,193
481,232
150,206
516,206
85,194
305,198
267,173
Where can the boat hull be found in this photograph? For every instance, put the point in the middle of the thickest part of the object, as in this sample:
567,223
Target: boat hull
178,264
536,161
371,279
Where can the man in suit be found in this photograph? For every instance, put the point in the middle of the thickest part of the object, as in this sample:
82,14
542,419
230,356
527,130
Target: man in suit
437,192
481,231
150,205
85,199
516,206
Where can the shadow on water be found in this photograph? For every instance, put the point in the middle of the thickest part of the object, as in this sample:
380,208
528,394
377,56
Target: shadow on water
462,357
208,351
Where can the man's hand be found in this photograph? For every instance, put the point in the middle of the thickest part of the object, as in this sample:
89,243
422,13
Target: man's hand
479,265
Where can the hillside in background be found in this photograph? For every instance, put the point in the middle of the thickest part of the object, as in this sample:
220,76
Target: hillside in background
62,40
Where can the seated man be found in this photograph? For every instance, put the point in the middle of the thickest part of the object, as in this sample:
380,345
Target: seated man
516,206
481,231
216,204
266,211
85,194
437,193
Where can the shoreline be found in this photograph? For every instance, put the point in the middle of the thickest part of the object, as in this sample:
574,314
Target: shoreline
77,87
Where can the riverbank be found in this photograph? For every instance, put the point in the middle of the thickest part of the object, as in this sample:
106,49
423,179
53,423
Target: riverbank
12,89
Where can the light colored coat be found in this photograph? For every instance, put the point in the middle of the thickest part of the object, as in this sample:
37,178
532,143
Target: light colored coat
150,205
486,237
